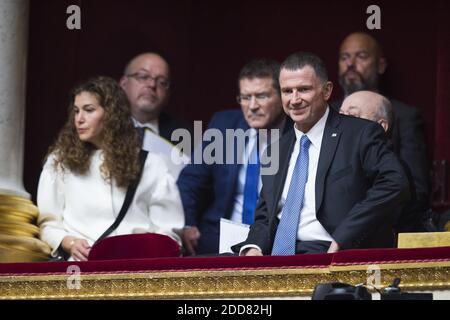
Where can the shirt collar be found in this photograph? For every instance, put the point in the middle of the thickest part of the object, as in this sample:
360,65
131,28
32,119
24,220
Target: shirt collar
152,125
316,132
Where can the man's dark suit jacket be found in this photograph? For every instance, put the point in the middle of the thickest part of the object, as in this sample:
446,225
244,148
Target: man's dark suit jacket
168,124
359,186
408,140
208,191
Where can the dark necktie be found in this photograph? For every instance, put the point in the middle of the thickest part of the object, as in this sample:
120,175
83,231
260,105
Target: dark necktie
141,133
286,235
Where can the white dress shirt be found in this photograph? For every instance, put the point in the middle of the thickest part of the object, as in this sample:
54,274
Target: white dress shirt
153,125
174,159
84,206
310,229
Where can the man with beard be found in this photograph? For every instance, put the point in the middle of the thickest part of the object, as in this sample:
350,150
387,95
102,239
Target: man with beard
361,63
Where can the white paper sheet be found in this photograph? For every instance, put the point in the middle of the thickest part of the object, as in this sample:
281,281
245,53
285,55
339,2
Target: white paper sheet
231,233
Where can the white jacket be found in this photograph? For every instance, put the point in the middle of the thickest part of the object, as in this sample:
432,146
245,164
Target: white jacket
84,206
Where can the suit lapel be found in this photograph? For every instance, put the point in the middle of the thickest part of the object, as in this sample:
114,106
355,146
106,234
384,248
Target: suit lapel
286,146
233,169
164,127
277,180
330,140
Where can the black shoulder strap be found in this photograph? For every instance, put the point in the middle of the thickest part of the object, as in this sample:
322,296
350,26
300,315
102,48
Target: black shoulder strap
128,198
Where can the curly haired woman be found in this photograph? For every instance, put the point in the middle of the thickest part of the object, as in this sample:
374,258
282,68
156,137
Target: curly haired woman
85,178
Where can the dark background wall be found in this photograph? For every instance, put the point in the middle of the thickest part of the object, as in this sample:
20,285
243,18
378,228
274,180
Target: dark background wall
207,42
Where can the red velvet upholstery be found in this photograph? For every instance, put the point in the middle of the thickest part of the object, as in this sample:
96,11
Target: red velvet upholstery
373,256
135,246
232,262
174,264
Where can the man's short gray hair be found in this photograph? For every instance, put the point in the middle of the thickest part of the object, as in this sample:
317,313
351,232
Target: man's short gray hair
384,111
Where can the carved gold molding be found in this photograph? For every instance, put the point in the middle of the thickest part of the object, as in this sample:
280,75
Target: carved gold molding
217,284
19,232
424,239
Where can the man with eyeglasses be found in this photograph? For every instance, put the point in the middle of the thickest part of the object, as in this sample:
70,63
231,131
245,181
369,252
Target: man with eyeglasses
146,81
210,192
338,186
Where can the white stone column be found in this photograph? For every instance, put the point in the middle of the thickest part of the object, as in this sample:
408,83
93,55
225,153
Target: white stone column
13,58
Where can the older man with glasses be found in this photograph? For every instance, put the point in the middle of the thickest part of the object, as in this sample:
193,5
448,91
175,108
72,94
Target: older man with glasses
146,81
210,192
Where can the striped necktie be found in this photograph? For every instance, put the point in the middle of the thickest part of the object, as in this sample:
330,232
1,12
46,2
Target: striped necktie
286,235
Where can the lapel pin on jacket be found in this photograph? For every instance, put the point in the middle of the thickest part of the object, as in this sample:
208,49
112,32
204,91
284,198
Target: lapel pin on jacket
334,135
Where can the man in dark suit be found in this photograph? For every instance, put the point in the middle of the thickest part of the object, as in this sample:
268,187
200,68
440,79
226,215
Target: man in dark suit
375,107
339,185
146,81
361,64
211,191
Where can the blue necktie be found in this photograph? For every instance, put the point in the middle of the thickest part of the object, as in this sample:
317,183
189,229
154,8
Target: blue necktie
286,236
251,186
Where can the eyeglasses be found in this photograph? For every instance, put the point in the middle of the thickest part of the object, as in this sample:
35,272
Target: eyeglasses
245,99
160,81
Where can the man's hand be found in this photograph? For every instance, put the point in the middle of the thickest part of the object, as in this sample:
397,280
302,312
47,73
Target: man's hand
252,252
190,236
334,247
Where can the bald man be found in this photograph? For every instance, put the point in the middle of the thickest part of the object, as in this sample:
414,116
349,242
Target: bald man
369,105
361,64
146,81
377,108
